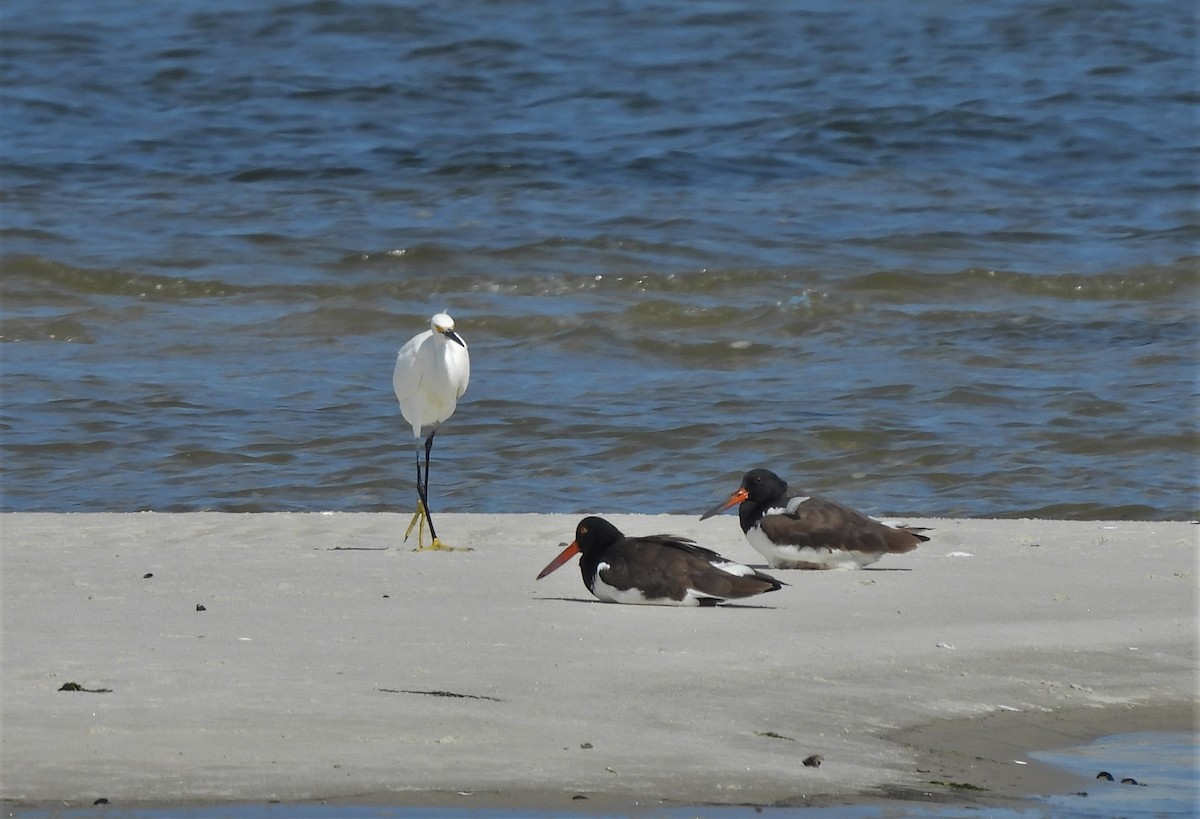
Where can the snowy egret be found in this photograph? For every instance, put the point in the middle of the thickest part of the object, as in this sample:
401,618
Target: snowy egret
432,371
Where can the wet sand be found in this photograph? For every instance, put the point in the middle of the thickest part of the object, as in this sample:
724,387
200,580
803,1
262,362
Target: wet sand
244,658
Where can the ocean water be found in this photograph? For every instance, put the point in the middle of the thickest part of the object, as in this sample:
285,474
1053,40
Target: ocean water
935,259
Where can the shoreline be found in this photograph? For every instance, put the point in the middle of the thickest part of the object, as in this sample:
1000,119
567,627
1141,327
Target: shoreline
983,752
319,666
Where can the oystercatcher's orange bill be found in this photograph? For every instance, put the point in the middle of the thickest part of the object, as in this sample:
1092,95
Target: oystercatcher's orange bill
565,555
736,497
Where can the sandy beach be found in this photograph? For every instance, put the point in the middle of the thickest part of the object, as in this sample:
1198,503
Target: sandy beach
227,657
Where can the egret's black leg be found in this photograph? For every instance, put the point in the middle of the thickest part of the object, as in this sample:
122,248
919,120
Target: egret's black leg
420,515
424,490
420,477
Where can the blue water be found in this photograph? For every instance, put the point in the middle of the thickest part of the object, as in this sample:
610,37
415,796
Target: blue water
1166,768
928,258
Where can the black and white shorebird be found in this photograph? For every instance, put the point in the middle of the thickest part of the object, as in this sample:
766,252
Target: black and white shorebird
797,531
432,372
658,570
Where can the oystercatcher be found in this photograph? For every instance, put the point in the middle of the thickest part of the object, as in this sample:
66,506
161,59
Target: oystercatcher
659,570
795,531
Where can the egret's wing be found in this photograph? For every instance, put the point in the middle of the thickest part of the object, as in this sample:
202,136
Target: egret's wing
466,374
406,377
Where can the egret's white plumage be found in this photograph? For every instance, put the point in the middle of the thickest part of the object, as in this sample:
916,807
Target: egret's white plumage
432,372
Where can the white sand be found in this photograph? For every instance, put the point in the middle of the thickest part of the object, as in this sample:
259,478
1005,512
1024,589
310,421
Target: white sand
289,685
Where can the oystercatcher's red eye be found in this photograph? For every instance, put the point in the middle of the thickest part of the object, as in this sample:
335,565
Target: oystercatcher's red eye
583,530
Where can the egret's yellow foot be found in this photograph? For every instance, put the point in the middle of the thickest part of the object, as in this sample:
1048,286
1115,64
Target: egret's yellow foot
438,546
418,517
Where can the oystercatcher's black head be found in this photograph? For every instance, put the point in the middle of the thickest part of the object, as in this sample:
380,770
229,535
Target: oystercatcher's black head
763,485
592,536
595,534
759,486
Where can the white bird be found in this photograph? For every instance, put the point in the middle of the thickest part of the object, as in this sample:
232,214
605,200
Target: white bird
432,371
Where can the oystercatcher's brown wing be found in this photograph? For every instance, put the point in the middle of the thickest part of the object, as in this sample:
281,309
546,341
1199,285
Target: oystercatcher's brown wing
824,523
